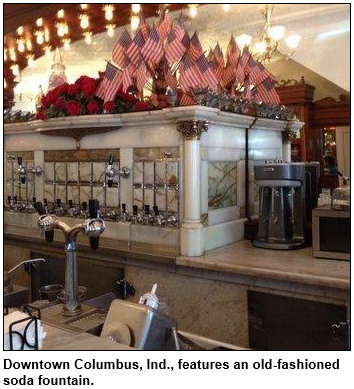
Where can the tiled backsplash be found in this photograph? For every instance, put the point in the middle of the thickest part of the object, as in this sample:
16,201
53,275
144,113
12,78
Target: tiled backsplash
156,178
79,175
24,192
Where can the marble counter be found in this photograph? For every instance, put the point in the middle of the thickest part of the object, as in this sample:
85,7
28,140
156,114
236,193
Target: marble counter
291,265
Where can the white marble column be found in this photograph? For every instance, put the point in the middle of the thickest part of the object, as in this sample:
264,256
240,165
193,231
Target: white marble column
192,231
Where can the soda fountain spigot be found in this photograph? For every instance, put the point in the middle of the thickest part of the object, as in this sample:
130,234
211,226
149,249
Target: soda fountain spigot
93,228
22,171
111,172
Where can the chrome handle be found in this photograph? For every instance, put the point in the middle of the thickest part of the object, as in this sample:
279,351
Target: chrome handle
23,262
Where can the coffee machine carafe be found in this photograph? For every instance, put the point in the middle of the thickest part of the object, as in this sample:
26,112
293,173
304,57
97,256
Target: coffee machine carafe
282,205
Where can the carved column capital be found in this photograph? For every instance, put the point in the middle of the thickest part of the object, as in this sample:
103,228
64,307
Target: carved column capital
192,129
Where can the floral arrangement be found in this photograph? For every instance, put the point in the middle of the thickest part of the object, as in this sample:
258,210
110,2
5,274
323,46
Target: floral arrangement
80,99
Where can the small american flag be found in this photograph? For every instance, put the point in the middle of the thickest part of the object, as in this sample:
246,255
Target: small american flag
179,28
164,26
219,55
141,76
189,77
153,49
171,80
186,41
186,100
257,71
267,93
174,48
127,79
216,68
109,86
195,48
134,49
207,76
122,46
242,63
228,74
247,89
233,52
144,28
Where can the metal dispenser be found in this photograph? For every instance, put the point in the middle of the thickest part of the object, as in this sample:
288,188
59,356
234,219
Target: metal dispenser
92,227
282,205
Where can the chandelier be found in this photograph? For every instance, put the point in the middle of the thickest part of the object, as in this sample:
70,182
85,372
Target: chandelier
272,41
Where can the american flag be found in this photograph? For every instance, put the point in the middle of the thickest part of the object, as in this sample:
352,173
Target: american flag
189,76
242,63
186,100
164,26
122,46
207,76
186,41
233,52
257,71
171,80
210,55
153,49
219,55
216,68
179,28
174,48
228,74
127,79
195,48
267,93
144,28
134,49
141,75
110,84
247,89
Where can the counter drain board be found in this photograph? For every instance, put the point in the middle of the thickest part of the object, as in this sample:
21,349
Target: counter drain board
88,322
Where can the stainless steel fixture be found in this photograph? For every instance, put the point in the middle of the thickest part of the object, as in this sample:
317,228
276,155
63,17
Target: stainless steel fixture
111,172
93,227
22,171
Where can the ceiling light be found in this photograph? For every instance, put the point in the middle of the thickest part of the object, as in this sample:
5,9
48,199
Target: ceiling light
5,83
29,44
66,42
40,36
83,6
19,30
47,49
110,29
243,40
193,10
226,7
108,11
46,35
13,55
5,54
276,32
30,60
293,41
60,14
15,69
21,45
260,47
88,37
61,28
134,23
84,20
39,22
136,8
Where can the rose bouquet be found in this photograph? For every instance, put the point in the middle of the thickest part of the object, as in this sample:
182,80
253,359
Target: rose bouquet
80,99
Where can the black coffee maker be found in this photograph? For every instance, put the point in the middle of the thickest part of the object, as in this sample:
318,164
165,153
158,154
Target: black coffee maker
287,195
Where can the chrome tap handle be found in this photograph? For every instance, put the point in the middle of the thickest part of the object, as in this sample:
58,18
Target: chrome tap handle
21,171
95,227
49,233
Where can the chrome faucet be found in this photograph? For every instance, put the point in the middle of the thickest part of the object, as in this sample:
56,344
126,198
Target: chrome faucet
22,171
72,210
92,227
111,172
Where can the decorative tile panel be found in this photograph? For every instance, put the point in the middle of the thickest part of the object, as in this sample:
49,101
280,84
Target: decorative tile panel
222,184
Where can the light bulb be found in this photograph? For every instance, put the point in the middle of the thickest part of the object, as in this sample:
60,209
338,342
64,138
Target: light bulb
226,7
29,44
243,40
61,28
276,32
5,54
88,37
108,11
135,8
47,50
40,37
66,43
293,41
110,29
5,83
134,23
30,60
15,69
193,10
83,6
20,45
60,13
46,35
19,30
13,55
260,47
84,21
39,22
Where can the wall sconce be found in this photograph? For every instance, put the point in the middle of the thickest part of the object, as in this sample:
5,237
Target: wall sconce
84,20
88,37
30,59
110,29
21,45
108,11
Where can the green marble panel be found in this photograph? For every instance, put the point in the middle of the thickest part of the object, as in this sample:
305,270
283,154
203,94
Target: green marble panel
222,184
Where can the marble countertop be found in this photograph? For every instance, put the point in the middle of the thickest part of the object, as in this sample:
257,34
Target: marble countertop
58,339
286,265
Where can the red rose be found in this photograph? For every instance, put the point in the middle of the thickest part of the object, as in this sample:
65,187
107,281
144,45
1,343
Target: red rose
60,102
141,106
74,89
108,106
60,89
49,99
41,114
73,108
84,80
126,96
89,89
92,107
